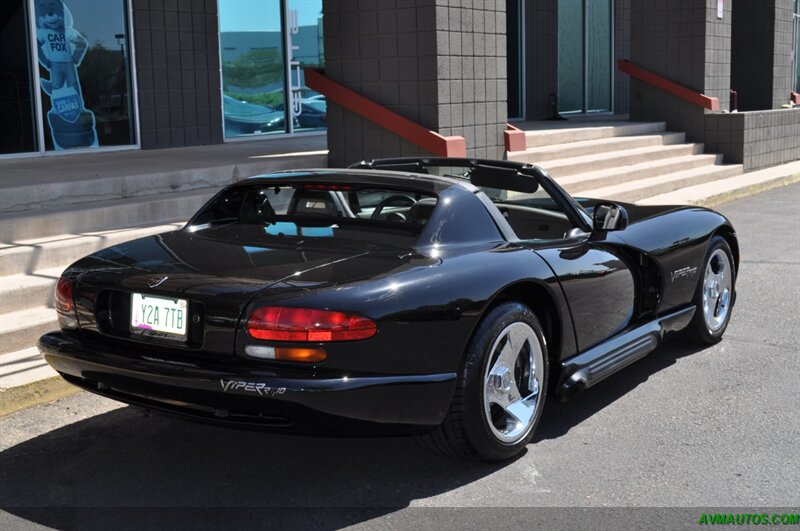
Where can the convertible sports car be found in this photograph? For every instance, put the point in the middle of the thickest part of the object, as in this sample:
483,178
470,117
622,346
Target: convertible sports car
443,297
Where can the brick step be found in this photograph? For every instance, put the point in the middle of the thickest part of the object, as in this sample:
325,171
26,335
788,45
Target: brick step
23,367
567,134
27,256
23,291
600,161
596,179
103,215
21,329
641,188
540,155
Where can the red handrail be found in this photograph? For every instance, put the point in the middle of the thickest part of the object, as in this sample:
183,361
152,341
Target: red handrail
795,97
697,98
431,141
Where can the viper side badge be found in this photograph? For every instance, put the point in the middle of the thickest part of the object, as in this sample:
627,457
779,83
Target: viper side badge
683,273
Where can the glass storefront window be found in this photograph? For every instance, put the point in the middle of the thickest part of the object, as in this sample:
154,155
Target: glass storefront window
17,112
84,59
264,44
797,45
514,60
253,71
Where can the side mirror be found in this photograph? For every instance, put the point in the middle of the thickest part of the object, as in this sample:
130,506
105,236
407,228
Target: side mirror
609,216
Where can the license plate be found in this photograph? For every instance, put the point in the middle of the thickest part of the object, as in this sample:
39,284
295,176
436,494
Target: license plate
159,316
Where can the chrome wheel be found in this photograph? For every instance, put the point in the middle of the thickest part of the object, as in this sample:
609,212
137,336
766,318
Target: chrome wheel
512,381
717,285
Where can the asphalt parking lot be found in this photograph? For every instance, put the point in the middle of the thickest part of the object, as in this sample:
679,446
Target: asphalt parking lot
685,427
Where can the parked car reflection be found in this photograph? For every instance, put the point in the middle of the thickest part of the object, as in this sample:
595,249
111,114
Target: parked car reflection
243,118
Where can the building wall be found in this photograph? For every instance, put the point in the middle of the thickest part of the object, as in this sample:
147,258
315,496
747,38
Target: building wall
472,79
438,65
688,45
385,51
177,66
756,139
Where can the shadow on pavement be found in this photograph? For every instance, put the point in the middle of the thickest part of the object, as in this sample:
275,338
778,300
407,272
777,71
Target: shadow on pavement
124,470
558,418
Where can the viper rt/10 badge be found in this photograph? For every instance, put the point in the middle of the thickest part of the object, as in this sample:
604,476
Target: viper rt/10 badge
258,388
683,273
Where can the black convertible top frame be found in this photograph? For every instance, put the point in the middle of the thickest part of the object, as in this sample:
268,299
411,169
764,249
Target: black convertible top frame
523,171
415,164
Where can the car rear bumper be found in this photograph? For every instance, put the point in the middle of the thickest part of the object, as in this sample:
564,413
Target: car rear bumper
246,396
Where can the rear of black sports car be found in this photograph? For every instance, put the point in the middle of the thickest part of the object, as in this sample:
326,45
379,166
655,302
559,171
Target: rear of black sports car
298,324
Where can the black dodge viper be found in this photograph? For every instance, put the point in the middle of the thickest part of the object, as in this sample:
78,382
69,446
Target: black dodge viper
442,297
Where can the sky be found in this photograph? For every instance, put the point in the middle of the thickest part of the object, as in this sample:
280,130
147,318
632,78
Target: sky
99,20
264,15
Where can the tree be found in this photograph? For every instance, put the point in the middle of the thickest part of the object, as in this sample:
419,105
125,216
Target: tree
253,69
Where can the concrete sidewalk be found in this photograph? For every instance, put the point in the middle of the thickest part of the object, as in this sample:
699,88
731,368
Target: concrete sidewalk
74,167
48,183
25,378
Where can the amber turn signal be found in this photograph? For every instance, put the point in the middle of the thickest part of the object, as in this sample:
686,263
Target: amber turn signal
307,355
303,355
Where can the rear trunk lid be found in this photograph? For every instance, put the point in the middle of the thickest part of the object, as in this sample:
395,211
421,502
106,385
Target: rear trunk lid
216,275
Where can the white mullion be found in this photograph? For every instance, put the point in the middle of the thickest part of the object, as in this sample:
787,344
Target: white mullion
36,88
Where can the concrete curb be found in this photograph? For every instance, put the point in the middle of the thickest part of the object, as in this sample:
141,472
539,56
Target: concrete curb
41,392
15,399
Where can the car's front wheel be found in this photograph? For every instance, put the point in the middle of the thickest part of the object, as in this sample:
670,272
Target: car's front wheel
500,391
714,295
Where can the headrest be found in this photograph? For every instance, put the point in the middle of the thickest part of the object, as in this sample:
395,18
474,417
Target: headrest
312,203
422,210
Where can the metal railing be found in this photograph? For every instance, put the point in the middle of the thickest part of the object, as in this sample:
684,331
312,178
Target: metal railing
431,141
692,96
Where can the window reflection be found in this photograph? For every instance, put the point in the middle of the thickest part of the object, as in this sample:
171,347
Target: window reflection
253,48
252,67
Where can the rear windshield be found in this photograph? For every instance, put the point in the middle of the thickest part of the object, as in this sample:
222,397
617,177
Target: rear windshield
312,210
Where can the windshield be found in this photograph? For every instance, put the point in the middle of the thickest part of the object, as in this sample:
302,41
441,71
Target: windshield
539,198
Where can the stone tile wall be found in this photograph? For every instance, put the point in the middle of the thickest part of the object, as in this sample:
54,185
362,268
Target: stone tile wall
178,74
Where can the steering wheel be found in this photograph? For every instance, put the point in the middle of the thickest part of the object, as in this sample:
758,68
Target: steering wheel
388,201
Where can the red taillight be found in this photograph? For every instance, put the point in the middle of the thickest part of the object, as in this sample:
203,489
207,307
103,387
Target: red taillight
64,295
328,187
277,323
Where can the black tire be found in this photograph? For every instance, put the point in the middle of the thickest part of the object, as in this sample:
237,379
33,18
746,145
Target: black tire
698,330
465,431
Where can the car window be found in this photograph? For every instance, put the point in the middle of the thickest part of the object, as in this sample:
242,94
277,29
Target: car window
532,215
320,204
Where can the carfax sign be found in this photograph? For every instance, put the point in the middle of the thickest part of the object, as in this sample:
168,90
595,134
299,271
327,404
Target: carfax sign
61,50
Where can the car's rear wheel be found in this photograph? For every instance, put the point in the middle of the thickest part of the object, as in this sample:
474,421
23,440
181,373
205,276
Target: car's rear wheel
500,391
715,294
